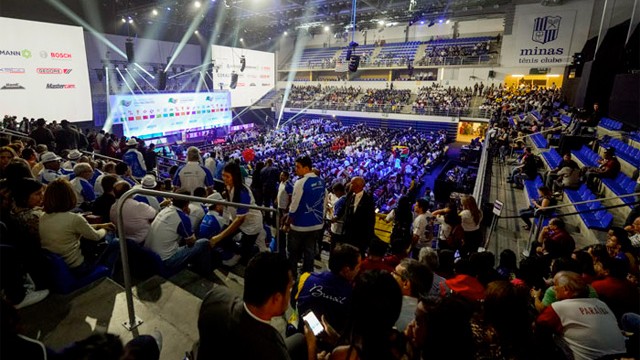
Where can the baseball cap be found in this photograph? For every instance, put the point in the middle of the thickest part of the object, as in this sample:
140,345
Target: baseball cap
132,142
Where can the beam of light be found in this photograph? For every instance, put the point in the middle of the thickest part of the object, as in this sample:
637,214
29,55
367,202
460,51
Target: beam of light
144,70
197,19
73,16
204,82
147,81
134,81
108,122
125,81
207,58
297,54
187,71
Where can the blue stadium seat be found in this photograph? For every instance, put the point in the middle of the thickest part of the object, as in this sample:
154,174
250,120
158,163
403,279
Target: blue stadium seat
552,158
586,156
539,141
600,219
565,119
62,281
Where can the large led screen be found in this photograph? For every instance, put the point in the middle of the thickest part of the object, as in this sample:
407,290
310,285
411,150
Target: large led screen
255,81
155,115
43,71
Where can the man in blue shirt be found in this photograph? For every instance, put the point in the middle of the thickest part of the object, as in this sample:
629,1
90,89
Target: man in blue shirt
135,160
306,214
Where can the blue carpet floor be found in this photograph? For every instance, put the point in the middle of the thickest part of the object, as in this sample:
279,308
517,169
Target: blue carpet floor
452,154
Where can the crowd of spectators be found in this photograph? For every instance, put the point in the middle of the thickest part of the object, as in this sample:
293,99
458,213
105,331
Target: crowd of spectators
437,98
451,53
428,294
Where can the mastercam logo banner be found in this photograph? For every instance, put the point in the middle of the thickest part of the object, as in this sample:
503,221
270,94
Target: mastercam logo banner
61,86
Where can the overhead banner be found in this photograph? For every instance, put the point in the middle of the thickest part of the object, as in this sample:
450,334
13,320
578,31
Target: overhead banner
256,77
544,38
43,71
155,115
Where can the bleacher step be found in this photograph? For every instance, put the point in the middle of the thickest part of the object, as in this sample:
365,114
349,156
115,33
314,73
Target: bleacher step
60,320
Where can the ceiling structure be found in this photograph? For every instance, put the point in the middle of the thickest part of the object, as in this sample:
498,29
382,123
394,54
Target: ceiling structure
257,22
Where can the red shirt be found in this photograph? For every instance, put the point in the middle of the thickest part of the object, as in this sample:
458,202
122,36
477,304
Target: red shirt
621,295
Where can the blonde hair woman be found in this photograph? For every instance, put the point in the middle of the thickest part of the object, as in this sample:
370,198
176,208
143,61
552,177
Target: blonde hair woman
471,218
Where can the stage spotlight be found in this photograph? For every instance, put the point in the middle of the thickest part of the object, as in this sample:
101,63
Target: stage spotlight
286,33
197,4
326,28
448,21
168,8
124,20
154,12
381,22
128,45
234,80
241,40
421,22
130,21
196,32
354,62
243,63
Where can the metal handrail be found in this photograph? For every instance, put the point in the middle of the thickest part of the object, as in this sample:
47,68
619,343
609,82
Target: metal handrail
171,159
133,322
539,132
588,201
93,153
478,189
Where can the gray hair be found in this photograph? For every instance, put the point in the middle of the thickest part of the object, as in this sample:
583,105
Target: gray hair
573,282
429,257
79,168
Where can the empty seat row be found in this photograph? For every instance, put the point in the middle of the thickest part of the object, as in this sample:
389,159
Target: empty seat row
552,158
610,124
587,156
593,214
621,185
565,119
539,140
536,114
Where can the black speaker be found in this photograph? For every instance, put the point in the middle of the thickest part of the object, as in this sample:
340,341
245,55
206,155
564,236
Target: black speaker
492,74
243,63
128,45
162,80
354,62
234,81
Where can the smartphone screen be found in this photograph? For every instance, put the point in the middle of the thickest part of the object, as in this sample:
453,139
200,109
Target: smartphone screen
312,320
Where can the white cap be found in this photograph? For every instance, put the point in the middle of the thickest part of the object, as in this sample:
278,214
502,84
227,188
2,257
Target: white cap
215,196
132,142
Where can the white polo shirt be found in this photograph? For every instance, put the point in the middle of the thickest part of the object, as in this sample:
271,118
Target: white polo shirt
193,175
167,229
137,217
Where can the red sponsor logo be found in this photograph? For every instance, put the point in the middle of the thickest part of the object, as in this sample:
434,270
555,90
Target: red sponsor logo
52,71
60,55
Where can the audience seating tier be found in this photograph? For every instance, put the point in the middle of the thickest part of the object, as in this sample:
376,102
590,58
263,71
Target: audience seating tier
552,158
621,185
610,124
587,156
600,219
539,141
62,281
623,151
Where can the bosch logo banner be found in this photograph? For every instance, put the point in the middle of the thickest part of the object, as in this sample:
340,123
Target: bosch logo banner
61,86
9,70
52,71
60,56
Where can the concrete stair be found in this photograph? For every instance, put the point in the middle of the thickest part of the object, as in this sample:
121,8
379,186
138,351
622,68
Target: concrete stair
60,320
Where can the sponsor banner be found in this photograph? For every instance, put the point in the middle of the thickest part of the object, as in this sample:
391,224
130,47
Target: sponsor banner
255,81
53,71
11,70
12,86
61,86
544,38
165,113
44,64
